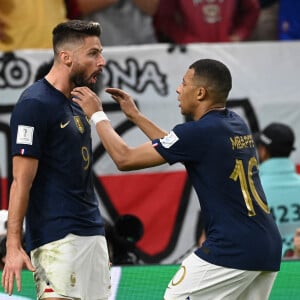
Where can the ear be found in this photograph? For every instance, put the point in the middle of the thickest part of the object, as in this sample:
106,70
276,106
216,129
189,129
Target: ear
66,58
263,153
202,93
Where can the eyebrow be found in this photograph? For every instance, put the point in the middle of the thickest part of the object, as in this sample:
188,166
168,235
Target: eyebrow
95,49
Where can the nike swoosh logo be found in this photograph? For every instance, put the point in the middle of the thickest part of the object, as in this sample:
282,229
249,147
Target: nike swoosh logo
63,125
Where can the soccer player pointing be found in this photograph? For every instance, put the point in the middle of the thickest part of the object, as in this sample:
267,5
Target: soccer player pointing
242,252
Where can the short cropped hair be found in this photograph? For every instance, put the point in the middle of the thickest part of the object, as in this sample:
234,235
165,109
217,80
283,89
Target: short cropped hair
72,31
216,76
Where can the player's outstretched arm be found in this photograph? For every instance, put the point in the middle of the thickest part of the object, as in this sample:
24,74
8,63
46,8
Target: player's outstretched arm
126,158
129,108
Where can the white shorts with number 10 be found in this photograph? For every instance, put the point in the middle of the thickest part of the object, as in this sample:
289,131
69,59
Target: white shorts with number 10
198,279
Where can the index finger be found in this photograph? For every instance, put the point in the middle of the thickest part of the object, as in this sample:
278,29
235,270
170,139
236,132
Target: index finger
78,89
115,91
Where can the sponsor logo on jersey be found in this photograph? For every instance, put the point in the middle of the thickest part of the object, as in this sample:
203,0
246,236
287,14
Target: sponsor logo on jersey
63,125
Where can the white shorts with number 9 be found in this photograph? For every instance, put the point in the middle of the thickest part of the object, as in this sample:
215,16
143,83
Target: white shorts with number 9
75,267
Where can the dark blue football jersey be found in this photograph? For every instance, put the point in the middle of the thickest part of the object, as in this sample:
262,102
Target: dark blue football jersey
220,158
51,128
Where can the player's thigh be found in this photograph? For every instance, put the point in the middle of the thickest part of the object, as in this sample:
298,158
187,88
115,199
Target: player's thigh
199,279
260,288
74,267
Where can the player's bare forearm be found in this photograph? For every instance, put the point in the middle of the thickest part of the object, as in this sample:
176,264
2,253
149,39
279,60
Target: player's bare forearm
125,157
24,171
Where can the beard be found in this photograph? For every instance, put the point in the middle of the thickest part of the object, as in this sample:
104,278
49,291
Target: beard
79,79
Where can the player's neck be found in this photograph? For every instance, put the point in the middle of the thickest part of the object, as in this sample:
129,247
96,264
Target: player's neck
205,106
59,83
216,107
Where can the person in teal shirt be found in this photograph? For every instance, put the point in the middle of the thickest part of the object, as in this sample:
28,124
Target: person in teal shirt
279,179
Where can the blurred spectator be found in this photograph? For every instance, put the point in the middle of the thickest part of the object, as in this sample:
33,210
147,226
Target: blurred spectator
122,238
289,20
29,23
295,253
124,22
192,21
78,8
266,28
279,179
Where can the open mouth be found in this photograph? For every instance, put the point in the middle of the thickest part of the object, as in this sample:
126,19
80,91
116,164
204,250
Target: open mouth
95,76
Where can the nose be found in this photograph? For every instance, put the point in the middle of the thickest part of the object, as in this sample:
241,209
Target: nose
101,61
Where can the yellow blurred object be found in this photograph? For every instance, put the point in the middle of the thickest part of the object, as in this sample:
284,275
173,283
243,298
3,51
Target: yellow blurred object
28,24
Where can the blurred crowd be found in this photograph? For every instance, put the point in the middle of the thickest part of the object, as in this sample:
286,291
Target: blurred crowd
133,22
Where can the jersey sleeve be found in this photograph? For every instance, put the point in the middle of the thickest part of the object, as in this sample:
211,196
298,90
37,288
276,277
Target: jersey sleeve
181,144
28,128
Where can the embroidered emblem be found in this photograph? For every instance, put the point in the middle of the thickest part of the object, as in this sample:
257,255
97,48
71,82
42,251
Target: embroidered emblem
79,124
73,279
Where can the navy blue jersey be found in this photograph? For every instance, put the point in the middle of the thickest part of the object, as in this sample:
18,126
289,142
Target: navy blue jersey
51,128
220,157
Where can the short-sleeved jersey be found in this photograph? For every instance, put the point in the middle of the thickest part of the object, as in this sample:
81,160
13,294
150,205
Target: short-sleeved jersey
220,157
51,128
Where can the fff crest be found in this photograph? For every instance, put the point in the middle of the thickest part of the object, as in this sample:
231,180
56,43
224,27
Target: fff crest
79,124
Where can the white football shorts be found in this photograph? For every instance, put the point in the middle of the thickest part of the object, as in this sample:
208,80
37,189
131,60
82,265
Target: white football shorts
75,267
198,279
